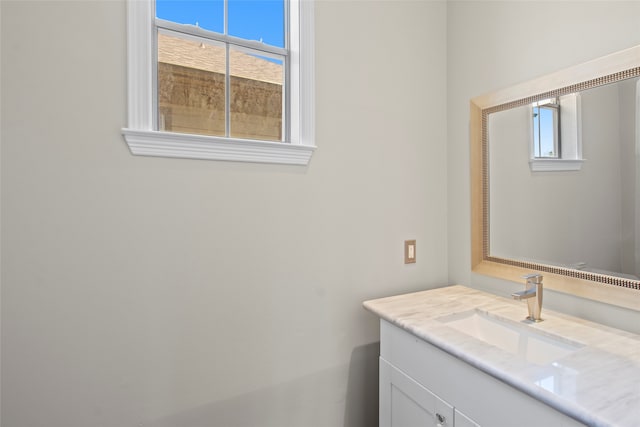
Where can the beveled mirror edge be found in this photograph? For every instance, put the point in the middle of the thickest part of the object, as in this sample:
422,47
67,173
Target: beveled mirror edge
612,290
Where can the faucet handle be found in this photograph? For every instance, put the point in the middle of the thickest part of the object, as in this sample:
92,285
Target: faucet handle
533,278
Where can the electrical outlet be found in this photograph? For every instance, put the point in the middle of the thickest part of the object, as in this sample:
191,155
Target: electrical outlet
409,251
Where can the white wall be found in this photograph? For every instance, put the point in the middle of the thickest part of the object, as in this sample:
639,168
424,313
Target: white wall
159,292
629,114
493,45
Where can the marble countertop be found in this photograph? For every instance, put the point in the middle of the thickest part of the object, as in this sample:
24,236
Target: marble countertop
598,384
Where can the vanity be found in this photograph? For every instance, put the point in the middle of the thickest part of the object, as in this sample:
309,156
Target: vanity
456,356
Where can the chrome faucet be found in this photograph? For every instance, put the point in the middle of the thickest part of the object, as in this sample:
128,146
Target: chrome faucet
533,295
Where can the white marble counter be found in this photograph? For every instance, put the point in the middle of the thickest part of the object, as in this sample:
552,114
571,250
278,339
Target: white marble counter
598,384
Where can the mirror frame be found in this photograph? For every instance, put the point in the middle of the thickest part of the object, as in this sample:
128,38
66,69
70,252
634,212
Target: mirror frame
604,288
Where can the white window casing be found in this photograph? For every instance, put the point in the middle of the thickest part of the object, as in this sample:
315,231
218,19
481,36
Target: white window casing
144,139
571,139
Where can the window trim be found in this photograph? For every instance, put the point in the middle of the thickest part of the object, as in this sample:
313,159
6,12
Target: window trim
552,105
570,156
144,140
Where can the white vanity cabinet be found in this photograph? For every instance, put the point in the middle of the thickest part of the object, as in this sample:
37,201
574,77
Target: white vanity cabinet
421,385
406,403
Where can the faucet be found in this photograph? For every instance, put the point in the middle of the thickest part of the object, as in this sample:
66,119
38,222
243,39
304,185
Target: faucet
533,295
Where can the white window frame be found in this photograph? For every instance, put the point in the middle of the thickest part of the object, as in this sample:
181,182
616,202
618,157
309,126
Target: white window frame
142,136
547,104
570,156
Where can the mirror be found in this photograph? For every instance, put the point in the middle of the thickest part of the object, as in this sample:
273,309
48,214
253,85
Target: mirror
562,200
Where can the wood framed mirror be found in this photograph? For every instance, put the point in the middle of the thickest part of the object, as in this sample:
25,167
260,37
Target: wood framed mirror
610,285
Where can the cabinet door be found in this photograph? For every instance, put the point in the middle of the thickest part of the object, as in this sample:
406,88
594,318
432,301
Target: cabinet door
461,420
405,403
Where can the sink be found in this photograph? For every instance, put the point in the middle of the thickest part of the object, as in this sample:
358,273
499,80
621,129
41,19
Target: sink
518,339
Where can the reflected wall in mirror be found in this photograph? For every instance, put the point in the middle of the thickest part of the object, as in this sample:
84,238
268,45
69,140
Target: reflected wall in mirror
566,201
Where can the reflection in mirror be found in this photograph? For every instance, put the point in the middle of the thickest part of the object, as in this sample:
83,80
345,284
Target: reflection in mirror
582,219
566,202
545,120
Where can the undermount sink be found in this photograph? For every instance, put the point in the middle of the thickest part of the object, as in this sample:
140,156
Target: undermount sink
518,339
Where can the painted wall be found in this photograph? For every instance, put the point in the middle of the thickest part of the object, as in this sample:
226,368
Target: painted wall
143,291
493,45
629,94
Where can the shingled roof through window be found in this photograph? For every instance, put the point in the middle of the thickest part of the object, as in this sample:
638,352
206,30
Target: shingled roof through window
208,57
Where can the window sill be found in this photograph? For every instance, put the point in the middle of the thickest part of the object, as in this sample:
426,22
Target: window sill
187,146
555,165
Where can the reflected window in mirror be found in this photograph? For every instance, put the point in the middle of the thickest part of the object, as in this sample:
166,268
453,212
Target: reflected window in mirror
546,129
556,143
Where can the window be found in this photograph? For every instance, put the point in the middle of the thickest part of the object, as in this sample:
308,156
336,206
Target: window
546,129
204,84
556,142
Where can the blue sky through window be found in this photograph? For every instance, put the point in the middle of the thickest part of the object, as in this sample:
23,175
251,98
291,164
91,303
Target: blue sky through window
249,19
544,133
